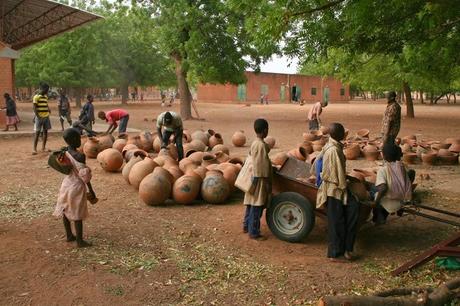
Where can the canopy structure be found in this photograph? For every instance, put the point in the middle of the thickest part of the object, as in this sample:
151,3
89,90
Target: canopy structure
25,22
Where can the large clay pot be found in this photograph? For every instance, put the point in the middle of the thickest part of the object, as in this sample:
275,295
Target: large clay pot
312,157
410,158
146,141
230,173
310,136
185,164
172,151
186,136
134,152
106,141
238,139
449,159
126,148
135,140
270,141
156,144
141,170
236,160
440,145
455,147
186,189
156,187
324,130
201,136
444,152
208,159
299,153
371,152
215,188
307,145
162,160
452,140
406,148
196,157
429,158
91,147
221,147
111,160
279,159
359,190
197,145
363,133
128,166
119,144
175,172
221,157
215,140
201,171
352,152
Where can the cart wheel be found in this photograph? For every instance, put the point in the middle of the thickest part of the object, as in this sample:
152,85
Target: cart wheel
290,216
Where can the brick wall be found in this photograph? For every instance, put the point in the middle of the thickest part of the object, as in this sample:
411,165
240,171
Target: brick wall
275,84
6,83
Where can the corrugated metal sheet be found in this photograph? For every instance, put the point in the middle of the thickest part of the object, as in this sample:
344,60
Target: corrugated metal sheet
24,22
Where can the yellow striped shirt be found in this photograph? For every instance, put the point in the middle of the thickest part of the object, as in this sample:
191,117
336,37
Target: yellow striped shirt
41,103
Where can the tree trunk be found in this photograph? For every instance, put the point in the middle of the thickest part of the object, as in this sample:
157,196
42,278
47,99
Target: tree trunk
455,98
421,97
448,98
409,103
78,95
184,91
431,97
124,93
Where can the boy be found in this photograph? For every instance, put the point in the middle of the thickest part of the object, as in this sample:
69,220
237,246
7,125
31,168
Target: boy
64,109
112,117
260,193
42,116
87,113
341,207
314,114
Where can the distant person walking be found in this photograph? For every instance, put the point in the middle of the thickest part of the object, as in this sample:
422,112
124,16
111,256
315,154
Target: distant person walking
112,117
314,121
87,113
12,118
170,123
391,119
42,112
64,109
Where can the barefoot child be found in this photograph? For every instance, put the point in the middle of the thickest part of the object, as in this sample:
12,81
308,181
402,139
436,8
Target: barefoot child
258,196
71,203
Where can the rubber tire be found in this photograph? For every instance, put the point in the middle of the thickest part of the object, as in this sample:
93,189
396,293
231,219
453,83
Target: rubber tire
306,208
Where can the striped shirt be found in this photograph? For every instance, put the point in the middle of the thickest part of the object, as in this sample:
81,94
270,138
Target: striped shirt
41,104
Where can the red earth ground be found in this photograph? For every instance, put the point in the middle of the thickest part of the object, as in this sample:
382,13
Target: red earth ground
198,254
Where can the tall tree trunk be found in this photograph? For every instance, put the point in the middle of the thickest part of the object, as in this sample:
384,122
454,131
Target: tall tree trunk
124,93
184,91
421,97
455,98
78,95
409,102
448,98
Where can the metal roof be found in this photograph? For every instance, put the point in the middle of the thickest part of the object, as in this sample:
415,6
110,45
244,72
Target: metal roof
25,22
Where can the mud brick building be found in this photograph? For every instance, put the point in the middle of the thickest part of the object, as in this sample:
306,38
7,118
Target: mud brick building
277,87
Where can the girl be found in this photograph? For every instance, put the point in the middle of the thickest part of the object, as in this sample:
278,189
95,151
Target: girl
71,203
11,114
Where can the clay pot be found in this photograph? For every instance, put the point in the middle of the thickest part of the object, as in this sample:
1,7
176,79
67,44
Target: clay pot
135,140
440,145
370,148
208,159
197,145
128,166
449,159
127,148
91,147
270,141
119,144
201,171
406,148
156,187
163,160
239,139
307,145
172,151
134,152
175,172
186,189
221,157
455,147
371,156
196,157
429,158
146,141
156,145
215,188
230,173
236,161
357,174
309,137
185,164
444,152
110,160
212,167
215,140
324,130
222,148
420,150
210,132
410,158
312,157
201,136
105,142
363,133
352,152
452,140
299,153
186,136
141,170
317,147
359,190
279,159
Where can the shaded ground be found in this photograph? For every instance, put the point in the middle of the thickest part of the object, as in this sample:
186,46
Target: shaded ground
198,254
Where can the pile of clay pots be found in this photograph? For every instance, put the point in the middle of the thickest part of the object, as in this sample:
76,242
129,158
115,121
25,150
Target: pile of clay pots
430,152
207,171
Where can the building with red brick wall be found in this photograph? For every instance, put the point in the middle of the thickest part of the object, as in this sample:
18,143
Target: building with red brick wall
6,82
277,87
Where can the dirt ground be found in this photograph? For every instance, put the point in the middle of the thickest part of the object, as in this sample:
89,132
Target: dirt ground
198,254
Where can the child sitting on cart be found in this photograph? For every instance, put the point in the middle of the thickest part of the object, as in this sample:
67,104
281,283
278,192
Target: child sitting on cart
393,186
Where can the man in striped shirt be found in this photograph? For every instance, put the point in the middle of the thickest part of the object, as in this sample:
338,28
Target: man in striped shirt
42,116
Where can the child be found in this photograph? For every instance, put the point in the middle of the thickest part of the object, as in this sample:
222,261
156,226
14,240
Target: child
71,203
259,195
112,117
393,184
12,118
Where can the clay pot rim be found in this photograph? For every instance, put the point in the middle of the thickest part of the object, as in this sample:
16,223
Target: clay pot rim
364,133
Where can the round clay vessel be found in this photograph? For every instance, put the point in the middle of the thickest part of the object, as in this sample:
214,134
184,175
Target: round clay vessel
212,167
429,158
300,153
201,136
156,145
173,151
135,140
221,147
186,163
201,171
352,152
309,137
221,157
215,188
238,139
128,166
317,147
452,140
410,158
236,161
370,148
119,144
175,172
371,156
141,170
91,147
196,157
146,141
279,159
186,189
270,141
197,145
449,159
455,147
215,140
406,148
359,190
106,142
187,136
440,145
208,159
307,145
134,152
363,133
230,174
444,152
156,187
111,160
324,130
128,147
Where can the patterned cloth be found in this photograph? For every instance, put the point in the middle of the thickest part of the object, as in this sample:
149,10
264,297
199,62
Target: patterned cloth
391,121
